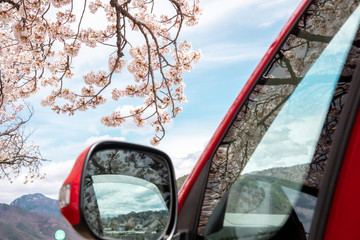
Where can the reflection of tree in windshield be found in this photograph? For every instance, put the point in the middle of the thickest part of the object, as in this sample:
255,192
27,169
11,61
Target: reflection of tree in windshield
246,196
302,48
256,194
145,166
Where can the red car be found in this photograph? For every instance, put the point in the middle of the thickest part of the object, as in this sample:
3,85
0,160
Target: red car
283,164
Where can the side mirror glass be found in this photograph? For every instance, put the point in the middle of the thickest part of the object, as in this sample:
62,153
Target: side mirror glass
126,194
127,191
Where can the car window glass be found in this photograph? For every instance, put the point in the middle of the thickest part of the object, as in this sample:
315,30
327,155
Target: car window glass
292,137
284,132
303,204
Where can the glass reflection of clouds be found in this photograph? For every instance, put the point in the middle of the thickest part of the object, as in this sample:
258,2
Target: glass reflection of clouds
119,194
292,137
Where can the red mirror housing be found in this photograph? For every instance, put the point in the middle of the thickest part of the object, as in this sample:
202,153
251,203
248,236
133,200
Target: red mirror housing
69,196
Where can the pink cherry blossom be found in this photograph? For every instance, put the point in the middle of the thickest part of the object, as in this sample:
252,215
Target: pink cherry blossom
41,41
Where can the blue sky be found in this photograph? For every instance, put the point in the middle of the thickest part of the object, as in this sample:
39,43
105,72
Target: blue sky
233,36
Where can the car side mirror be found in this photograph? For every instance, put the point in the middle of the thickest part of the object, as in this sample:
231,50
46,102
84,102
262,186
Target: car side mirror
118,190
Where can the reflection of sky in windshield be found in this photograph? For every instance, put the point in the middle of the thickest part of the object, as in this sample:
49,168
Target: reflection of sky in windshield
292,137
118,194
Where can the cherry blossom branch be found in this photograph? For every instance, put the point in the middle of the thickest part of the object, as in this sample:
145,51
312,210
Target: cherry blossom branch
32,30
14,4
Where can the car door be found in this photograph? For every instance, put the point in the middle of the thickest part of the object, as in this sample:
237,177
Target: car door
271,169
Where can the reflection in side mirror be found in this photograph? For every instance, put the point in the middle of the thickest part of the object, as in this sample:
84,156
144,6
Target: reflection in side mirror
121,206
126,194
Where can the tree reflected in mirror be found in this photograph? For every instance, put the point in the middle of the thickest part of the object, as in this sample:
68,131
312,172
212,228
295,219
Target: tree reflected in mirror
126,194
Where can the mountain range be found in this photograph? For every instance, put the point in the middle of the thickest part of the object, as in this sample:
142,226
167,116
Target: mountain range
33,217
38,203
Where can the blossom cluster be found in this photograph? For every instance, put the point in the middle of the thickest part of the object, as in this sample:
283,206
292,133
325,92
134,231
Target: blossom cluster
38,49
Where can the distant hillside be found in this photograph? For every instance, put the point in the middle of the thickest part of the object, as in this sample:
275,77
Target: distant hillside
135,225
19,224
38,203
180,181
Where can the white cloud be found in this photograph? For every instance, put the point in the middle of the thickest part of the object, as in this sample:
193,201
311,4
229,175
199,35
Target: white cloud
286,143
266,24
56,173
230,12
184,165
225,53
180,145
214,12
184,149
92,140
93,129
